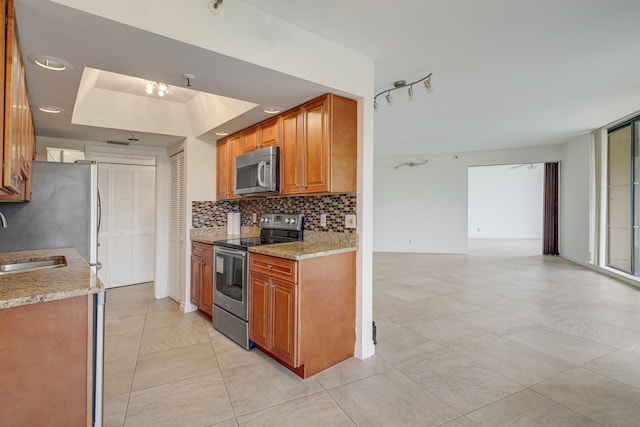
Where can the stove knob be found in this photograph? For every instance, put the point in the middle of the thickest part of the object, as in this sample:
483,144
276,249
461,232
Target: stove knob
286,220
293,220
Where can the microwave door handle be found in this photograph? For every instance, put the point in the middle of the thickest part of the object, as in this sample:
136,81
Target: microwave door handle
261,168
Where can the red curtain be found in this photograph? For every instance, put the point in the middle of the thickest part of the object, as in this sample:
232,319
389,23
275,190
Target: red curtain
550,232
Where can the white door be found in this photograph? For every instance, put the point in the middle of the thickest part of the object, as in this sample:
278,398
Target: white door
177,230
127,235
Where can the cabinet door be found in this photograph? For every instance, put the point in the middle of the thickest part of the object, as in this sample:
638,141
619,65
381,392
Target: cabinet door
196,278
250,140
206,286
259,309
284,316
11,162
269,133
316,147
290,154
234,149
222,171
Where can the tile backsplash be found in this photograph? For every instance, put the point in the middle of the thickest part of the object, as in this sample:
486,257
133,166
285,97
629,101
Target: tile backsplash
336,206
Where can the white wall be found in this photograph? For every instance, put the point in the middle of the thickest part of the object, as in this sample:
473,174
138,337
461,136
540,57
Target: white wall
200,184
163,171
424,209
506,201
575,190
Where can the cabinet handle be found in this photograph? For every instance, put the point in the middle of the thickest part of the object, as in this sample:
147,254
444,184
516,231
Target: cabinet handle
269,266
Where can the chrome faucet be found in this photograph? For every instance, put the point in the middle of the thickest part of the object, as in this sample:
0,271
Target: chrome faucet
3,220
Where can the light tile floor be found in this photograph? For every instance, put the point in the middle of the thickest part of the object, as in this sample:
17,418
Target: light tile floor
500,337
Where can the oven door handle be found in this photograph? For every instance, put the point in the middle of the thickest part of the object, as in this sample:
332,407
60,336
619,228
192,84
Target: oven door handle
225,251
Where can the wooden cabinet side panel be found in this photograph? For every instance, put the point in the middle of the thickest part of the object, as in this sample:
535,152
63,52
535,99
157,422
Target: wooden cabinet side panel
259,310
44,350
344,145
327,307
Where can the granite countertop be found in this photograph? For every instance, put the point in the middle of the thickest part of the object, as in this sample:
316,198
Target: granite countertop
211,234
74,279
315,243
303,250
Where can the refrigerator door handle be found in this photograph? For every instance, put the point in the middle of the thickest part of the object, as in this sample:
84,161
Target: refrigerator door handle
99,209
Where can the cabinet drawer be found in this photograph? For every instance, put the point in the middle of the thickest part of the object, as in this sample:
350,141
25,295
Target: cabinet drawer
202,249
274,267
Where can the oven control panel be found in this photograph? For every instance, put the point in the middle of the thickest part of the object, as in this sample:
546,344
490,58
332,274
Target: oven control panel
282,221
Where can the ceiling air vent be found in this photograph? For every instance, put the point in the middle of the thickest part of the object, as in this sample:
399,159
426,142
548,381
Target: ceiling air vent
118,142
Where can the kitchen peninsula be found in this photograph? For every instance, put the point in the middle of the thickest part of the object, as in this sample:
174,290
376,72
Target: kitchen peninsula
47,338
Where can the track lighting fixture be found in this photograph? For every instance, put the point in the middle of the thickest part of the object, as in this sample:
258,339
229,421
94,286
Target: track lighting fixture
411,164
400,84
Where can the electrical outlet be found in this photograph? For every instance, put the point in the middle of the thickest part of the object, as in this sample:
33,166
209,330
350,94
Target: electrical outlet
255,217
350,221
323,220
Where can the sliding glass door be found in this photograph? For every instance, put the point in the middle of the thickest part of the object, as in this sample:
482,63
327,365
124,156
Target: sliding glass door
623,206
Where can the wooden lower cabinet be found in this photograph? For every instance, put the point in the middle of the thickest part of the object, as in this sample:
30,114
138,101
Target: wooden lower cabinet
202,277
302,313
45,370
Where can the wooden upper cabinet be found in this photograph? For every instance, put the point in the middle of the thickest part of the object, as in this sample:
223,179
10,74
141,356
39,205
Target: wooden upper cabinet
319,147
262,135
222,172
250,139
290,149
17,122
269,133
226,152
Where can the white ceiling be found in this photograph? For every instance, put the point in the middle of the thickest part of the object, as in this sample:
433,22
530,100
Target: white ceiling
506,73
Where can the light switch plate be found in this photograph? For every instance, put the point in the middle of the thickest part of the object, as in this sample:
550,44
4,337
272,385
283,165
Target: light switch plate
255,217
323,220
350,221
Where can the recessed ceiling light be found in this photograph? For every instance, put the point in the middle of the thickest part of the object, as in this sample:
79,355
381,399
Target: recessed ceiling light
270,109
50,62
52,109
222,133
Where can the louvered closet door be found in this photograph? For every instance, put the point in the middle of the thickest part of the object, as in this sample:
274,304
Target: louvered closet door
121,244
127,235
177,230
144,224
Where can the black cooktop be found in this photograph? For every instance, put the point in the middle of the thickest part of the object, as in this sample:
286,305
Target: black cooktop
274,228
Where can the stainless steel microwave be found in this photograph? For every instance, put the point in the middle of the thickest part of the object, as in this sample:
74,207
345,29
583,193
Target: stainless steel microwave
257,172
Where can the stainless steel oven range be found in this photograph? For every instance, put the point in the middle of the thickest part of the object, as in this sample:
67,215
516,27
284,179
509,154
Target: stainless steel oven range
230,283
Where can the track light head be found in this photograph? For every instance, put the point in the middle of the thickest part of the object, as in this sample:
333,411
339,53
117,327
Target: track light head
389,99
411,92
375,104
427,83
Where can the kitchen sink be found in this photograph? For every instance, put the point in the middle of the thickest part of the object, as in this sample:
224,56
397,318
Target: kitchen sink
33,264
